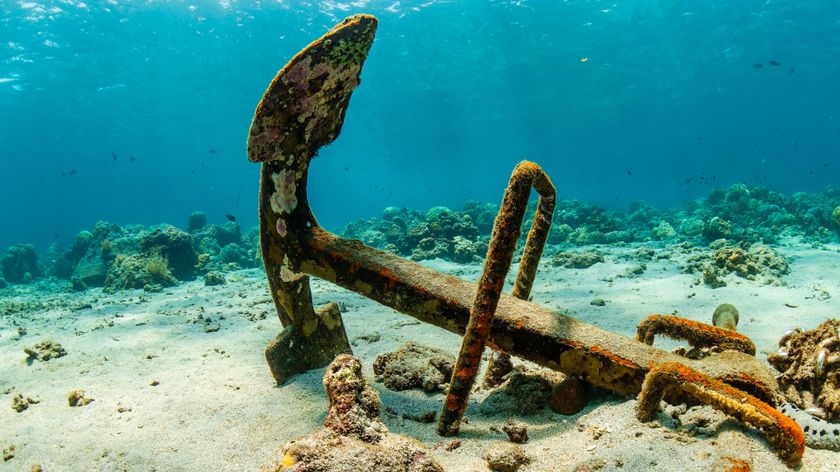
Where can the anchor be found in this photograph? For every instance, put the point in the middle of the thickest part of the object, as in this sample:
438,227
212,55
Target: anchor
302,110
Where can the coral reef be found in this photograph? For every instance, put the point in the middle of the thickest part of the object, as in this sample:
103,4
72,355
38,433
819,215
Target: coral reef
810,365
758,262
44,351
414,366
20,264
738,214
354,438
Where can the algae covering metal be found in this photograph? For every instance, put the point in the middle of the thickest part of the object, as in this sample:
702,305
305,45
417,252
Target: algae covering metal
302,110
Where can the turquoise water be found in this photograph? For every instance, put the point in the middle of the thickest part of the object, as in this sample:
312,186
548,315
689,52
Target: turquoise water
137,111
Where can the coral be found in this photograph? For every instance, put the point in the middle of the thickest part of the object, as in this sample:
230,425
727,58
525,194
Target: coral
77,398
691,227
9,453
505,457
235,254
157,266
214,278
835,215
810,365
45,350
20,402
176,246
725,316
66,262
354,438
577,260
414,366
18,261
717,228
760,263
133,272
664,231
196,221
77,284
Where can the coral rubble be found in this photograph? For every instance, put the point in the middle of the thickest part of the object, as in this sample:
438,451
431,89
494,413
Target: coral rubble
810,365
354,438
414,366
505,457
45,350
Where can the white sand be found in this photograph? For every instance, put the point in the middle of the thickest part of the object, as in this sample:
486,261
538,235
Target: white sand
217,408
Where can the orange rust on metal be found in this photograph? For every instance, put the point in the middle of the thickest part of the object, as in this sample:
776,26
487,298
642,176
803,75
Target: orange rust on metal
506,230
614,357
697,334
783,433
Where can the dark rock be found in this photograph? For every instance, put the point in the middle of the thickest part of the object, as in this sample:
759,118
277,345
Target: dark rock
214,278
577,260
517,432
568,396
196,221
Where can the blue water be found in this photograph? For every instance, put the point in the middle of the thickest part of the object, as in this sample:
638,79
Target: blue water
137,111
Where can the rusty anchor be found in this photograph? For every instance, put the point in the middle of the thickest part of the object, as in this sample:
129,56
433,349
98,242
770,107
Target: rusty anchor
302,110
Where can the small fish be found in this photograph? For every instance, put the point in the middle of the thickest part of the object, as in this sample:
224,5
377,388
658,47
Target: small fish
774,63
131,158
758,65
213,151
230,217
791,71
629,173
113,155
72,172
346,169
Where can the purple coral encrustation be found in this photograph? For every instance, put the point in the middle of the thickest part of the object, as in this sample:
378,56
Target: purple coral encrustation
284,199
281,227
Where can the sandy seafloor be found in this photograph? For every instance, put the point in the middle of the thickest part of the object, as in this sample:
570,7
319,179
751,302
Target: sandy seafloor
217,408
